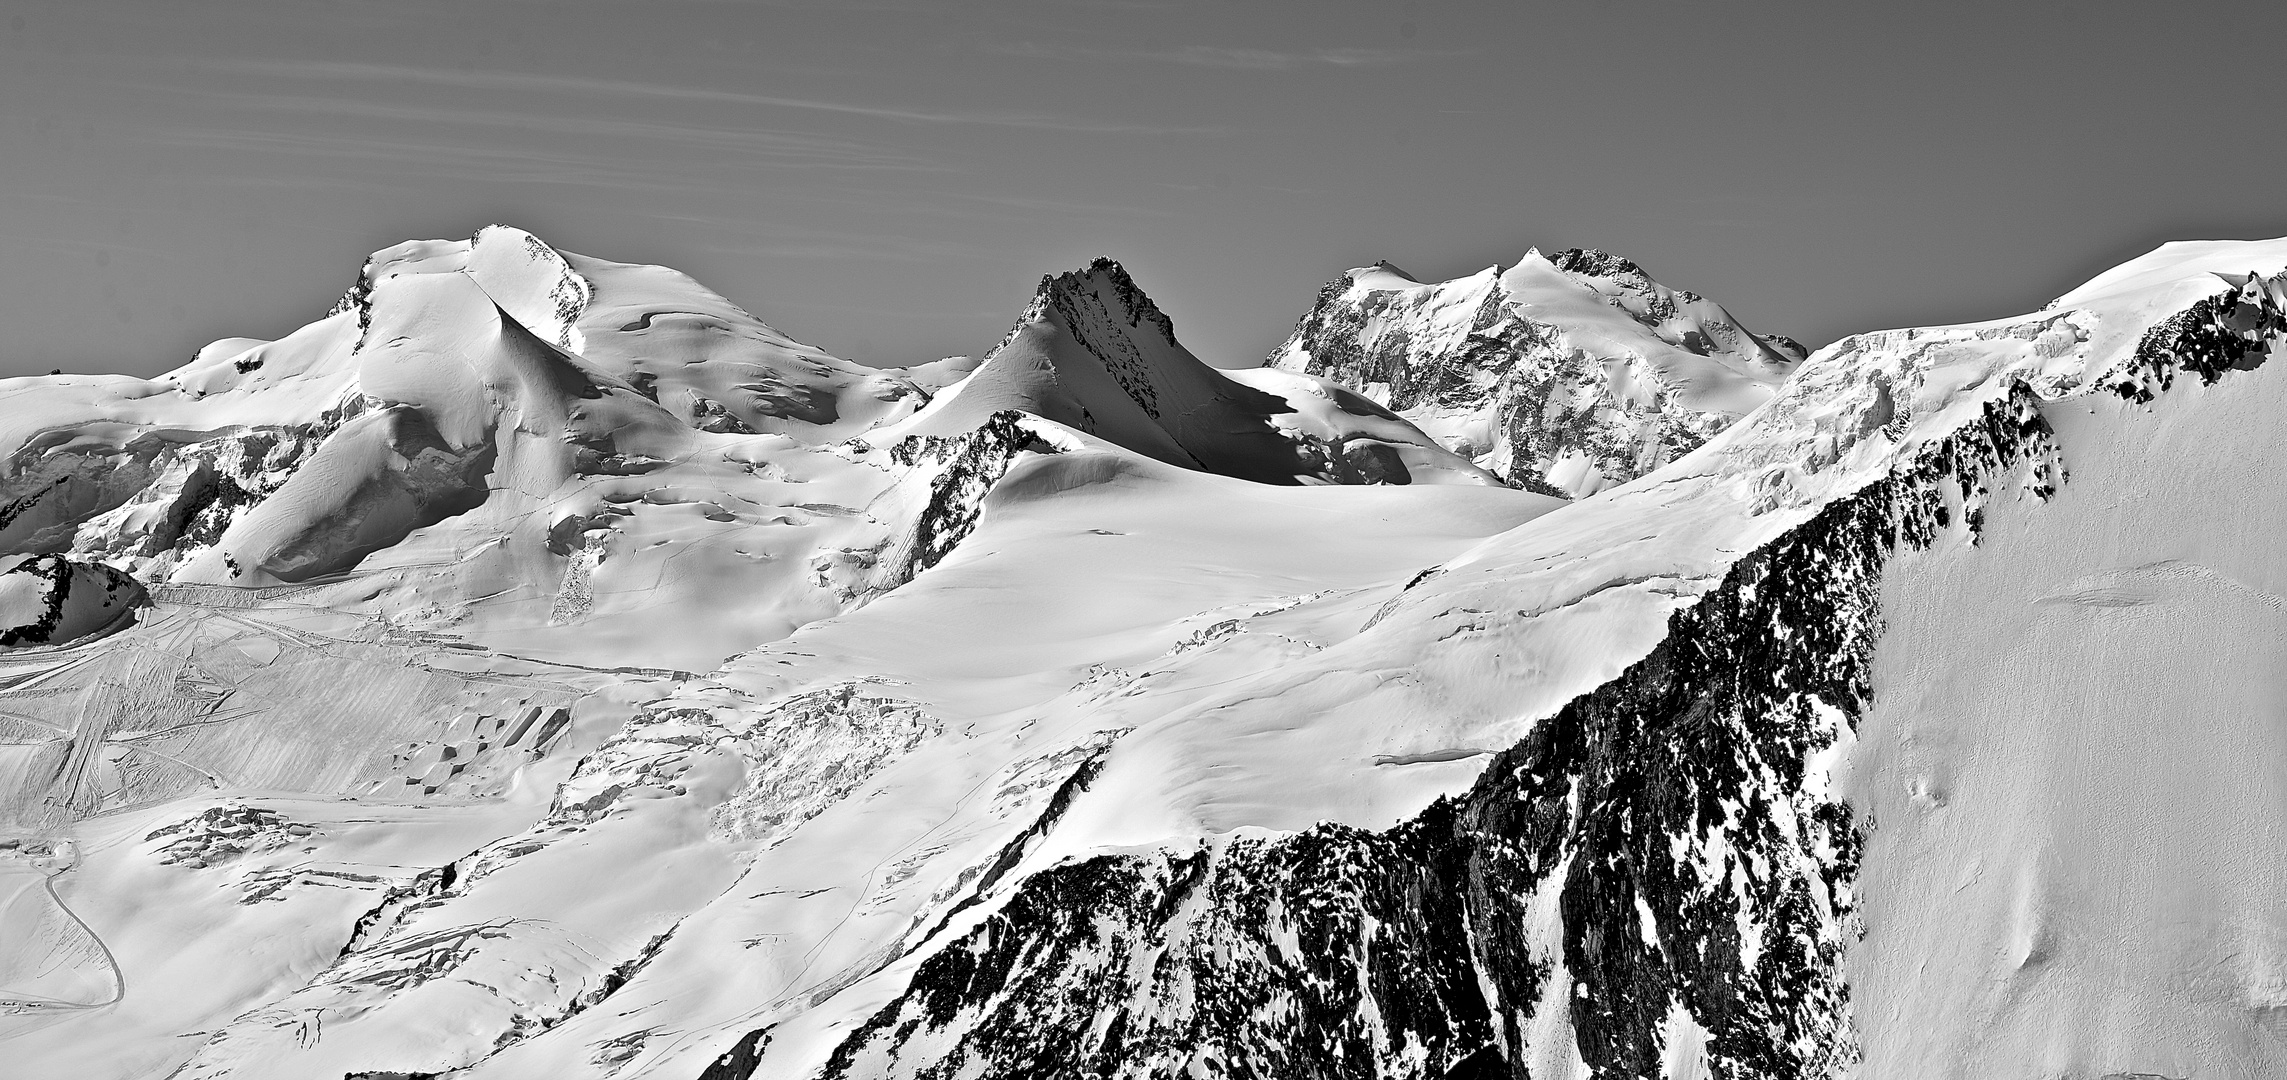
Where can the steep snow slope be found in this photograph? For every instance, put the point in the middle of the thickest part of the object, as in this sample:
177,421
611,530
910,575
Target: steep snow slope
2075,753
1094,353
1566,373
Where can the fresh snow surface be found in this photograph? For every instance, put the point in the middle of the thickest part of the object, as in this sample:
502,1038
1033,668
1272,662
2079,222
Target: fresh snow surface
2078,757
548,669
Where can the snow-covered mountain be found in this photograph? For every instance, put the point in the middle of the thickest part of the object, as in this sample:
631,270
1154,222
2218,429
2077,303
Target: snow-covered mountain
485,437
548,670
1565,373
1094,353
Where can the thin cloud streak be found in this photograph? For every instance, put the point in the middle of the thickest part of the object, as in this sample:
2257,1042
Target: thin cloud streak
1212,56
430,159
1270,60
763,236
778,149
1041,205
343,71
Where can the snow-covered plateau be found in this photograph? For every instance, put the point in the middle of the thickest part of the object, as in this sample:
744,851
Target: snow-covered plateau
540,667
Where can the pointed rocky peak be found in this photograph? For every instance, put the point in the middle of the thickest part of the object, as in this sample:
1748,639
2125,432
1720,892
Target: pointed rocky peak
1590,262
1106,286
1094,353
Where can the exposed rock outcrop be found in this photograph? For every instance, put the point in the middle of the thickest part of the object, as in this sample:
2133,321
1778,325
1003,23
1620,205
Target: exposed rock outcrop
51,600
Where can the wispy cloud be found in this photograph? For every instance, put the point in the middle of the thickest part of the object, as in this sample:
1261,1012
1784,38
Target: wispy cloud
1030,205
778,149
500,164
1272,60
526,82
1216,56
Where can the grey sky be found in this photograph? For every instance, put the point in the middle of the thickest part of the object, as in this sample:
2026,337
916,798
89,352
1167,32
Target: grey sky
888,180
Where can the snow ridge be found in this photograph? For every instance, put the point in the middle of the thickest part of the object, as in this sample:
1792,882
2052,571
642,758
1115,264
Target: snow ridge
962,471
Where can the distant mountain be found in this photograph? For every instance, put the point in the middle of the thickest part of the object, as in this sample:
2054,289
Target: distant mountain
485,437
1094,353
1566,373
493,437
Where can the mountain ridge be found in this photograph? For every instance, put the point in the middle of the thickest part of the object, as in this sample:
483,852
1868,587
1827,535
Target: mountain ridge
772,716
1093,352
1563,373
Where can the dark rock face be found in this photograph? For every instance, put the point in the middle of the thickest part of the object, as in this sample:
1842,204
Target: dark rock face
61,600
1374,462
1070,295
2217,334
963,470
359,299
1596,263
1695,863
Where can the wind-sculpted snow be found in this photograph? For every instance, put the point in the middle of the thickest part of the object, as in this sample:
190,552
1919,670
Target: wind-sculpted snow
1566,373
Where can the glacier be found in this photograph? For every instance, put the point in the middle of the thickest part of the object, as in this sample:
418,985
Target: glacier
539,666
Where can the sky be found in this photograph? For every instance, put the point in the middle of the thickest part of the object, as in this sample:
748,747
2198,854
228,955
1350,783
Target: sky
889,180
